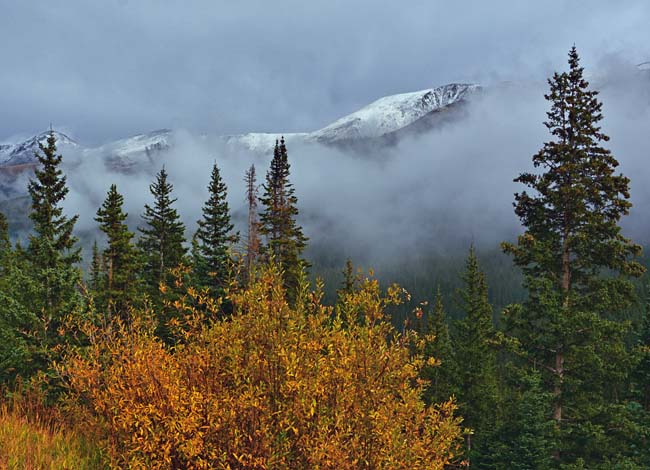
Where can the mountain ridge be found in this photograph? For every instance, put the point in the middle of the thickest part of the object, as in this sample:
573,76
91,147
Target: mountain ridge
385,116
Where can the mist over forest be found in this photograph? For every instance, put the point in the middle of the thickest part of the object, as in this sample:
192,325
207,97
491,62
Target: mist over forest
415,205
422,192
333,235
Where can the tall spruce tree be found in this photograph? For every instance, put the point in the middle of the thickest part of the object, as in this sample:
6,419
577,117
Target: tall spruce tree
442,378
252,236
475,354
119,280
350,279
527,434
96,269
162,236
285,241
52,252
13,348
214,237
19,352
576,265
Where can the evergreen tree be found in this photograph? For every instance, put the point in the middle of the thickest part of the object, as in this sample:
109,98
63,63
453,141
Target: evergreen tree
476,358
576,265
19,354
527,437
349,279
162,236
52,251
351,283
253,238
442,378
198,261
96,270
119,280
284,237
214,237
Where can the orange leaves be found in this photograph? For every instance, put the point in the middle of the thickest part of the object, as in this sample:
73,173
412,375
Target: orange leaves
273,387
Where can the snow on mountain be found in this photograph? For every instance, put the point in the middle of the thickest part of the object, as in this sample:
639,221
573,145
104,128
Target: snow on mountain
127,154
392,113
23,152
261,142
385,116
5,151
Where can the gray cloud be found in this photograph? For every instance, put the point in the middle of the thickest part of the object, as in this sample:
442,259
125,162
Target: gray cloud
433,193
104,70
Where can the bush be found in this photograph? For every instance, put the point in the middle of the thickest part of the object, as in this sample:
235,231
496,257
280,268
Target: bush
272,387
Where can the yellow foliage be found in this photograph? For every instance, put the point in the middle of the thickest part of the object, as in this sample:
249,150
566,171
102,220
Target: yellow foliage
272,387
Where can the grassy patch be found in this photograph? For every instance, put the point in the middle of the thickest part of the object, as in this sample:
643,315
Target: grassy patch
26,445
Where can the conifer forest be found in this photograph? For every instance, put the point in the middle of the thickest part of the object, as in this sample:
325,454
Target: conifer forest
153,328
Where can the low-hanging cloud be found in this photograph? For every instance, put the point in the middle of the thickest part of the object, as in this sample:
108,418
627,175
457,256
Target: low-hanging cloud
431,193
103,70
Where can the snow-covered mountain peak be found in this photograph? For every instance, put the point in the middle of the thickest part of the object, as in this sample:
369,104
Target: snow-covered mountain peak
391,113
61,138
23,152
127,154
155,140
384,116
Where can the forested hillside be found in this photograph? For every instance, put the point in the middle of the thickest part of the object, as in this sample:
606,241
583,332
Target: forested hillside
259,349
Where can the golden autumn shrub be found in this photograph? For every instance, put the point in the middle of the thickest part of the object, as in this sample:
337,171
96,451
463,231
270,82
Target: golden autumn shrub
272,387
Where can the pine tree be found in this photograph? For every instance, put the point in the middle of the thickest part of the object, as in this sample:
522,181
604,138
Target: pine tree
119,280
344,309
284,237
52,251
19,354
527,436
253,237
476,359
349,279
96,269
568,326
442,378
162,237
214,237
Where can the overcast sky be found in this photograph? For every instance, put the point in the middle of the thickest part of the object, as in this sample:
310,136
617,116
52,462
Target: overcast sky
109,69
